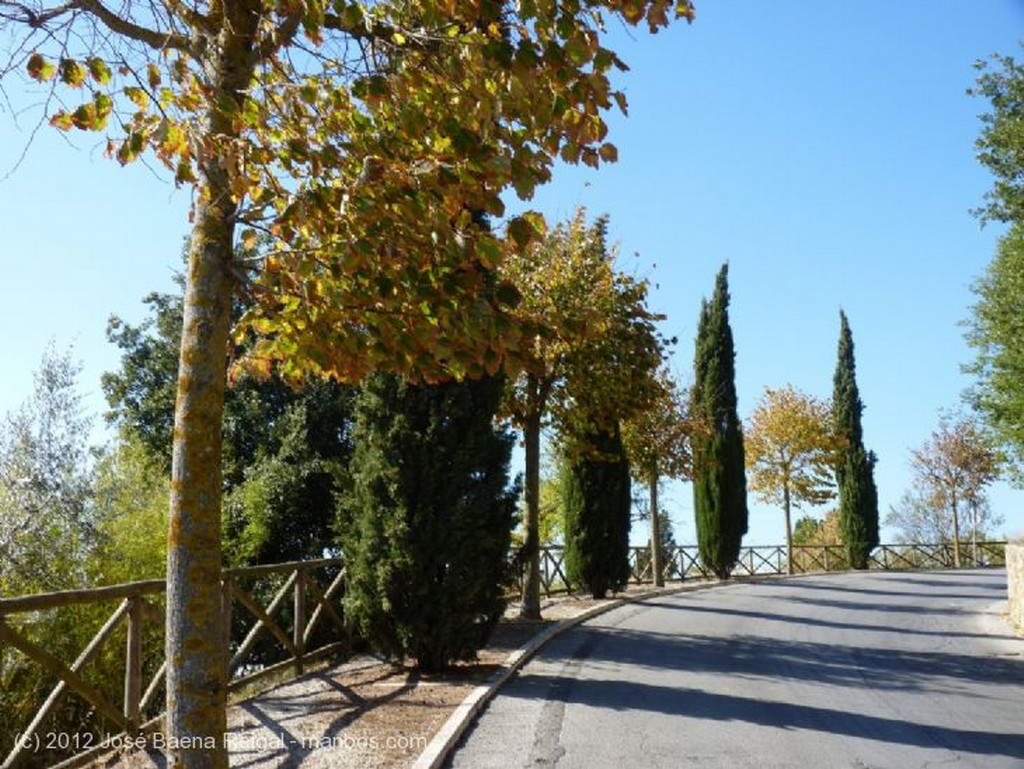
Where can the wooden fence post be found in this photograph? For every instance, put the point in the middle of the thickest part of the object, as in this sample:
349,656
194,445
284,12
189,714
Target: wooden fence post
226,599
299,631
133,665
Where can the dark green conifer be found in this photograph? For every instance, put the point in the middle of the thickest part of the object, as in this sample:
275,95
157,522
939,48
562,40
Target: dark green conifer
858,497
720,480
426,526
596,500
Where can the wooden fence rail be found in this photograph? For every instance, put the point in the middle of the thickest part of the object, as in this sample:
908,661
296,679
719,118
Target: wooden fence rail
261,640
683,561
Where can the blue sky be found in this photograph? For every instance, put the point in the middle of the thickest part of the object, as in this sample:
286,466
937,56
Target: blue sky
825,150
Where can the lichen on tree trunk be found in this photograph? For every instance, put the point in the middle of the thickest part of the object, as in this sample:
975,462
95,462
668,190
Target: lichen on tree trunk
197,669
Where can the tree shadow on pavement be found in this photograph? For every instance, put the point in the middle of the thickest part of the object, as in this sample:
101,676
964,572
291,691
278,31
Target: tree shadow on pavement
832,584
885,669
799,619
693,703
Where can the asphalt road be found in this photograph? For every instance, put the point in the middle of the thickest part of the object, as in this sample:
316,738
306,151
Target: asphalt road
894,670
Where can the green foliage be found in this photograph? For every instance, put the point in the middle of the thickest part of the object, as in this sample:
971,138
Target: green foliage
996,332
719,475
597,348
597,502
290,452
551,518
141,394
806,530
426,525
1001,143
67,522
284,450
132,493
24,686
47,526
855,466
657,437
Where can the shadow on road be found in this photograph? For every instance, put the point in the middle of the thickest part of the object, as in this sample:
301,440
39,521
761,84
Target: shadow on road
832,585
828,664
621,696
798,619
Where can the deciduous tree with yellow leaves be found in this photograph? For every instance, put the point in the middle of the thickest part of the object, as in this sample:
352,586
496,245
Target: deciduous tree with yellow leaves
791,452
591,362
657,441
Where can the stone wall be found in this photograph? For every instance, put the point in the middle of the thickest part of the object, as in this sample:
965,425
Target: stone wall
1015,581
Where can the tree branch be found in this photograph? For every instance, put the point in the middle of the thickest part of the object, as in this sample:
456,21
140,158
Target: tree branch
379,31
120,26
284,36
22,14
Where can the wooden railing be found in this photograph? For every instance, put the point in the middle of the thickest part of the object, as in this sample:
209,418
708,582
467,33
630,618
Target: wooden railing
683,561
278,619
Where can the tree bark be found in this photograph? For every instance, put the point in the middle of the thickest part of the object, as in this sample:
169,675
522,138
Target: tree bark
956,530
656,565
197,670
531,589
789,530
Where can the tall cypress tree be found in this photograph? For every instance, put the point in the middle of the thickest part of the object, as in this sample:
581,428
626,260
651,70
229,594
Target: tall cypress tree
855,467
426,526
596,500
720,481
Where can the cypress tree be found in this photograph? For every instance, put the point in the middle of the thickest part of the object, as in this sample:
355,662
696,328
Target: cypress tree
596,499
855,467
720,481
427,523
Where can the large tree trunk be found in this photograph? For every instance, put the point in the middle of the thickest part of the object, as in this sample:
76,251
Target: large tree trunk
196,657
196,669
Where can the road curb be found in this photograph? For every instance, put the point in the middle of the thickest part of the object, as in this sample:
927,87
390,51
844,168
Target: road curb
458,722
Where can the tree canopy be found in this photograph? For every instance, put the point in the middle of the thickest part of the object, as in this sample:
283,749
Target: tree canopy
47,522
1000,144
657,441
995,329
791,452
996,332
592,359
285,448
953,467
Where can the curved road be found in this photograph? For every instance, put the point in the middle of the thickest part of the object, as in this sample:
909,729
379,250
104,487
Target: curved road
895,670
